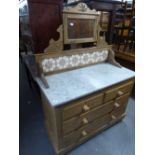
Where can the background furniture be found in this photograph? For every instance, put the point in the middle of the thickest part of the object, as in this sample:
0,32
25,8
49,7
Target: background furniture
124,29
39,20
124,35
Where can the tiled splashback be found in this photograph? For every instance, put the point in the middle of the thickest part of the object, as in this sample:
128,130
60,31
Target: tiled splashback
71,61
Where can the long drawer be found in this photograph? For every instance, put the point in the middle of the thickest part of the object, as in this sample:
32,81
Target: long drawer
85,131
83,106
117,91
79,121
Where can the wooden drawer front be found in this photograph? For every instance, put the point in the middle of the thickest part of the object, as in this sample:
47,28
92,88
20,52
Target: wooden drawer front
118,91
120,106
84,132
79,121
121,101
117,113
83,106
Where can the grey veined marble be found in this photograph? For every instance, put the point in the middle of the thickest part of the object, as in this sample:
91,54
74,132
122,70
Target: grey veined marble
70,85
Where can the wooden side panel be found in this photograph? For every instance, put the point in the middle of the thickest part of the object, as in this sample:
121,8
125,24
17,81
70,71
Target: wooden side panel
50,122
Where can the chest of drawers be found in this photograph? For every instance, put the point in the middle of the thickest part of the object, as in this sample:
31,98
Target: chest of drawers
76,121
84,90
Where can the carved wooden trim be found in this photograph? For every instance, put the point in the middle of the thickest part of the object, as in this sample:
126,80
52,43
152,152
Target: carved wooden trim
81,8
111,58
56,45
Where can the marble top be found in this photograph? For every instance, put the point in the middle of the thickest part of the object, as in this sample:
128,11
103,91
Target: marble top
71,85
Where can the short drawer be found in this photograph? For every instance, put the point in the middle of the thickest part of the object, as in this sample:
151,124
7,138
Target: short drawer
117,113
79,121
117,91
121,101
86,131
82,106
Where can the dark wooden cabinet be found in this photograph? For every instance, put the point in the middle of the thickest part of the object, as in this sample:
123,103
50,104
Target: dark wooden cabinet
42,18
45,19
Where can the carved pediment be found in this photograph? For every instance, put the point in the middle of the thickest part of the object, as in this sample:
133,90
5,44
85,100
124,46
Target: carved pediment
80,8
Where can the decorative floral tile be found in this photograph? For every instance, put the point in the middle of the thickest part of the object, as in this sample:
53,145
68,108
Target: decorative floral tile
66,62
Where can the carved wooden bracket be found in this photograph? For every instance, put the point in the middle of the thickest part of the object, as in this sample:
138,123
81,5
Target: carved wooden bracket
111,58
56,45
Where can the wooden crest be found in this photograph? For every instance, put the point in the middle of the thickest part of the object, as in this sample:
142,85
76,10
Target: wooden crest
81,8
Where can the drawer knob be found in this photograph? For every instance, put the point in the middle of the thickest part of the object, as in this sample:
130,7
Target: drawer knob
120,93
85,120
113,117
84,133
123,115
86,108
117,105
